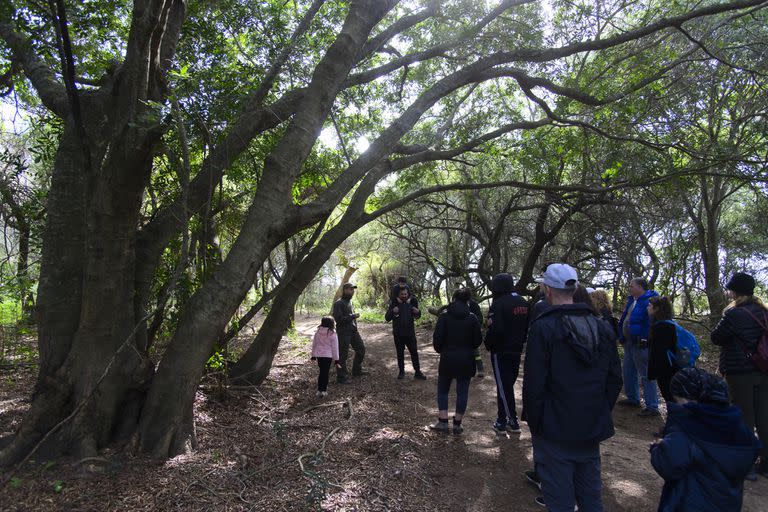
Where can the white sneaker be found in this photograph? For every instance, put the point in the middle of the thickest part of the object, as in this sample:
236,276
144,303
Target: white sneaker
318,394
323,394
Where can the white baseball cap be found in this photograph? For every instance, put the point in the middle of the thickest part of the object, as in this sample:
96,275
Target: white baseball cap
560,276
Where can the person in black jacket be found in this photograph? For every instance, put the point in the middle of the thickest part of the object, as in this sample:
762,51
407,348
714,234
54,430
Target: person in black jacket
457,335
474,308
402,313
346,328
572,379
507,330
737,334
661,341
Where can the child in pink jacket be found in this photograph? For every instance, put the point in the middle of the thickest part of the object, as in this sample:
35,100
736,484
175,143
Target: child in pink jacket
325,349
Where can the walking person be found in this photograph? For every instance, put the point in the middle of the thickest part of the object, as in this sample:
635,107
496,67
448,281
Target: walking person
505,338
634,327
325,350
572,379
402,313
457,335
346,327
744,323
707,449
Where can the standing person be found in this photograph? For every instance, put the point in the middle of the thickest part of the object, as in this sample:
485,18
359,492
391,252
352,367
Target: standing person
572,379
325,350
402,313
507,330
634,326
604,308
707,450
662,340
738,333
346,326
457,335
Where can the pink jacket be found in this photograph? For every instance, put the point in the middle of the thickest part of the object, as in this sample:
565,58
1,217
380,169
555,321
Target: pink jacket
325,344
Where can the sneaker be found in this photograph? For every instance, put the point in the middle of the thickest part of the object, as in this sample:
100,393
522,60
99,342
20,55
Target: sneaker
649,413
513,426
318,393
440,427
628,403
533,478
500,428
458,429
323,394
401,375
540,501
420,376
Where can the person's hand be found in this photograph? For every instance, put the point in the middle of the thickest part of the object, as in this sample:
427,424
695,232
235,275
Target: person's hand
313,358
395,310
489,322
356,315
415,311
338,365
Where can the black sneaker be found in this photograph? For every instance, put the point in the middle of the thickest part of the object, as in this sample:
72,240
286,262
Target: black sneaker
533,478
513,426
420,376
401,375
500,428
458,429
440,427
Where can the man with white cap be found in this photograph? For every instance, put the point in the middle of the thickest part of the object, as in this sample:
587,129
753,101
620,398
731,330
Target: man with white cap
572,380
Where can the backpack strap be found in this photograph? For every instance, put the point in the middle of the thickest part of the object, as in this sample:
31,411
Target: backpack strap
763,326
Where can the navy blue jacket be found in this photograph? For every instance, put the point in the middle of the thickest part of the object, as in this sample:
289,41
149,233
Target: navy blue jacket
507,317
704,456
457,335
639,323
572,376
403,320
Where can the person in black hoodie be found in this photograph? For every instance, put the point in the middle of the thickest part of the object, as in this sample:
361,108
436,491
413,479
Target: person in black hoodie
507,330
707,450
572,379
738,334
457,335
402,313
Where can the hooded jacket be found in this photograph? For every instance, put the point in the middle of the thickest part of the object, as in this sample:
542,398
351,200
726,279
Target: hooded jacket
403,320
325,343
572,376
736,325
507,317
457,335
704,456
639,323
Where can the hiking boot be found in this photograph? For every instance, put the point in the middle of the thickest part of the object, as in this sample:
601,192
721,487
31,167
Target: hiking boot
513,426
649,413
458,429
533,478
420,376
401,375
626,402
441,427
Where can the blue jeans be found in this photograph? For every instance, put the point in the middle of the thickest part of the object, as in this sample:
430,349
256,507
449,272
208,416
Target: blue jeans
462,393
569,475
636,370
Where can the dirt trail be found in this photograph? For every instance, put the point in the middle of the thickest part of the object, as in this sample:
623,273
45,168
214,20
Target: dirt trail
375,456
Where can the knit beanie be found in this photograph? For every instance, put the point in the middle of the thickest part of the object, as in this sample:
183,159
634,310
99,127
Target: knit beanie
741,283
696,384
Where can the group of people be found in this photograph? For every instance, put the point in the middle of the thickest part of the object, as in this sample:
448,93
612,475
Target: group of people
573,376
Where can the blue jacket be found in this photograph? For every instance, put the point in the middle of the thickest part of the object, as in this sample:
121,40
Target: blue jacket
704,456
639,323
572,376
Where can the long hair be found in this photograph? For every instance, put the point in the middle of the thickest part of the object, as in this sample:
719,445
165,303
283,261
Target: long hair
581,296
662,308
601,300
742,300
328,323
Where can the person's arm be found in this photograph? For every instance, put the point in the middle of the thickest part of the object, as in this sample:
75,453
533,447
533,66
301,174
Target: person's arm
477,333
671,457
315,342
723,332
415,308
621,323
335,347
438,337
390,314
535,376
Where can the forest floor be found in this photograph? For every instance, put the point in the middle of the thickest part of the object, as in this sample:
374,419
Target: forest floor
365,447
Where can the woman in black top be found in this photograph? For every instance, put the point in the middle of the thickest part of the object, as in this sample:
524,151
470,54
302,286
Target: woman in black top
661,340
